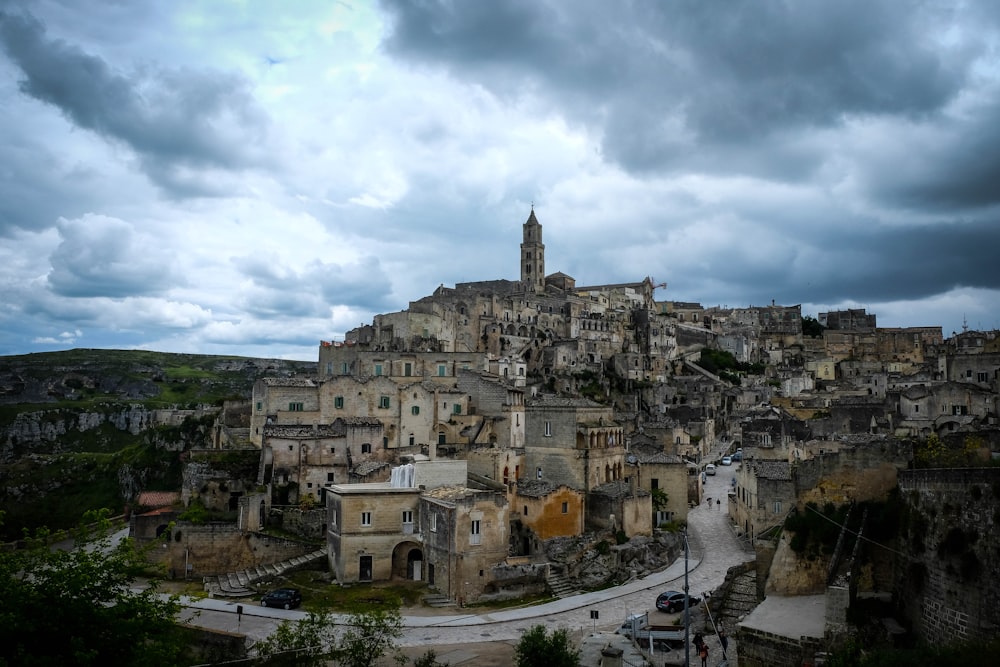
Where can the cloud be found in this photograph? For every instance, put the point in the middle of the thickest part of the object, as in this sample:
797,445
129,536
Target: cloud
175,120
100,256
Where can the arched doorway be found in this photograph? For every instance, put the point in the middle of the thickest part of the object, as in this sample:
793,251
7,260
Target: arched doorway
408,562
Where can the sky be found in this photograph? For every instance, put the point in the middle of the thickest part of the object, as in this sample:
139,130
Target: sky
249,178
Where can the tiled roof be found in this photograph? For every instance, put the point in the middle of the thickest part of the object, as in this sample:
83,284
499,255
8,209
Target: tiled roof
535,488
158,498
776,470
368,467
288,382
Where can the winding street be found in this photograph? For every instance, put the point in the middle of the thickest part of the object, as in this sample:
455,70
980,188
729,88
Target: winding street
714,549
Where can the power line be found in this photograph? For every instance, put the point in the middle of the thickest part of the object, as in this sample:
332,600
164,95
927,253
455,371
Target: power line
856,534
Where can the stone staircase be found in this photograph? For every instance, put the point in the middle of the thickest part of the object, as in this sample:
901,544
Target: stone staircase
560,584
438,601
240,584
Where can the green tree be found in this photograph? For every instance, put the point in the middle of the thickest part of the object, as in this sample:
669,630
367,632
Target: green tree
537,648
811,327
369,635
309,641
81,606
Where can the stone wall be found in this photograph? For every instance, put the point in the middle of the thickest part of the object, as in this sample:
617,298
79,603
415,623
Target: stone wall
201,550
950,553
758,648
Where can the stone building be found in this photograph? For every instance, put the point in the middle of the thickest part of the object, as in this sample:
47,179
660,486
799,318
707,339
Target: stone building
542,510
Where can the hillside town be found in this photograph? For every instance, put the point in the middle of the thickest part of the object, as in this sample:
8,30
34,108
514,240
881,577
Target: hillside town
462,441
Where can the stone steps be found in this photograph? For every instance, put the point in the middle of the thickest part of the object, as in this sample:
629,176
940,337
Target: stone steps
561,585
438,601
240,584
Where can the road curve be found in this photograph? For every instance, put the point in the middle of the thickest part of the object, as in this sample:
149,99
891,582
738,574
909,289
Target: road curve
714,549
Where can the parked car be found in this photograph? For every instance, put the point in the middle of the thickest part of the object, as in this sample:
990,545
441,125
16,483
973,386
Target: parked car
286,598
671,601
710,469
726,461
737,457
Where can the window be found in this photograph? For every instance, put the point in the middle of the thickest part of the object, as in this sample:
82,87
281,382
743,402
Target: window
983,377
407,369
476,536
366,518
777,507
296,407
441,370
565,508
959,409
916,408
338,402
415,410
366,448
548,429
329,368
378,369
457,409
329,477
538,472
407,522
412,440
260,406
343,368
441,438
654,483
434,523
525,510
383,401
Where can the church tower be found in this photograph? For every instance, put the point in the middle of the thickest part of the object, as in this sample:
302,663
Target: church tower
533,255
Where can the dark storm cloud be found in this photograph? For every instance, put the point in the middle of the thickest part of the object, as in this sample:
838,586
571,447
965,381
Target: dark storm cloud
173,120
664,81
864,264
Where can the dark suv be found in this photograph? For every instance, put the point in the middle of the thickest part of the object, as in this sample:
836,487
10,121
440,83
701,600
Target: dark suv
286,598
672,601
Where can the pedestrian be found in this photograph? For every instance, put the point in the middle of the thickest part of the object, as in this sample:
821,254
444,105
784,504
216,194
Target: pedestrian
709,501
698,640
703,654
718,504
724,640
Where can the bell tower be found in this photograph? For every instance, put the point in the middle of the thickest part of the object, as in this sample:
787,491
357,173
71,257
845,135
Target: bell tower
533,255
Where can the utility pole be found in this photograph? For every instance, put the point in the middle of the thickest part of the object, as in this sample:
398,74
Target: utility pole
687,609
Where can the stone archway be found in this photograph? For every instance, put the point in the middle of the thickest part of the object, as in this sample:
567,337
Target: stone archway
408,561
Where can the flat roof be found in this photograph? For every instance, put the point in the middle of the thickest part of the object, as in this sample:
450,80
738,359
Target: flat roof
789,616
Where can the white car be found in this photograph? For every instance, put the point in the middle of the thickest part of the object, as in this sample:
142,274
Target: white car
726,461
710,469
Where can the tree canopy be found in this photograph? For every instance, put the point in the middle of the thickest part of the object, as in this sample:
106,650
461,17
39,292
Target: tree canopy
538,648
82,605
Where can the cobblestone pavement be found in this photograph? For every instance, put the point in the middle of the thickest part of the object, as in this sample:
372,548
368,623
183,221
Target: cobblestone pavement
714,549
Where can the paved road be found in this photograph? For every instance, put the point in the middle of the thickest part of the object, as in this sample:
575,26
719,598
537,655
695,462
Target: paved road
714,549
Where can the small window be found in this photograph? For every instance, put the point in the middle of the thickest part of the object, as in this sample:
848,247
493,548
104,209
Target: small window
366,448
378,369
415,410
366,518
538,473
434,523
296,407
338,402
548,428
412,440
525,510
344,368
442,439
383,402
565,508
441,370
407,516
407,369
777,507
329,477
260,406
457,409
475,534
